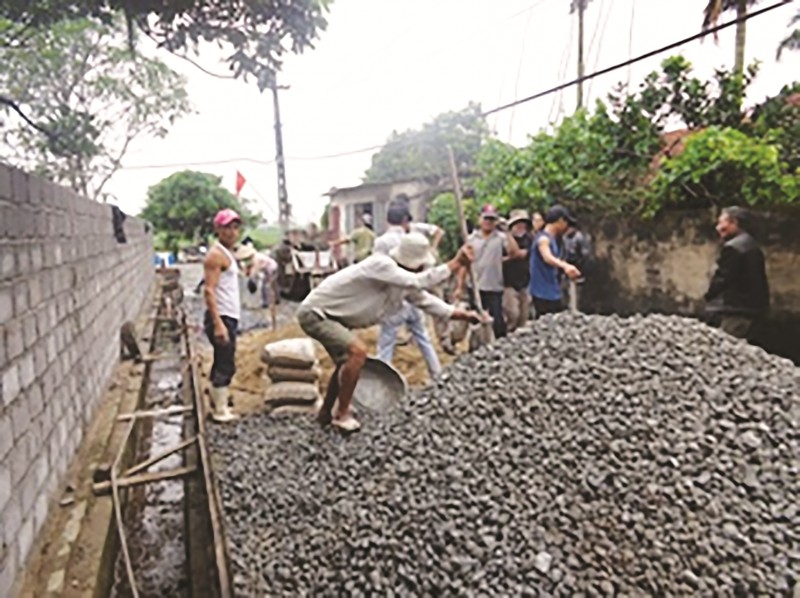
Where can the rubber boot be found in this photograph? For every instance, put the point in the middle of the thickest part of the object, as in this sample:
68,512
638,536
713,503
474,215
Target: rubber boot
221,411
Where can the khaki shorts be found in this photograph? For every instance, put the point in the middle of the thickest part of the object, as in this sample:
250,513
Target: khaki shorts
335,338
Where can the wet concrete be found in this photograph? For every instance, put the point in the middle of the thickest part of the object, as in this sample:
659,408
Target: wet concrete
154,515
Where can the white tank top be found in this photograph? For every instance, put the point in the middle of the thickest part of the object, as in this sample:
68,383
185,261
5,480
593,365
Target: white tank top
227,291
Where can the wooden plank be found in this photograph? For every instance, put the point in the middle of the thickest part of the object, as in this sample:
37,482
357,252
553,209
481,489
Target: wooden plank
159,457
142,478
214,501
172,410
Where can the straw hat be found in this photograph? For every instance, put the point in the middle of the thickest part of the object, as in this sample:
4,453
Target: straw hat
518,215
245,252
413,252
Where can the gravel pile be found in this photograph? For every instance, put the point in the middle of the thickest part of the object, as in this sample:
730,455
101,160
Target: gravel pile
651,455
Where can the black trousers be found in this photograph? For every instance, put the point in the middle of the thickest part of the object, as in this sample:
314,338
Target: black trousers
546,306
492,302
224,366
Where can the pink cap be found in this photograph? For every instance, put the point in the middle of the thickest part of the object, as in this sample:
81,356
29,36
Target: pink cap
489,211
225,217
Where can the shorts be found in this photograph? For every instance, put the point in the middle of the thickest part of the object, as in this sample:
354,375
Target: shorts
333,336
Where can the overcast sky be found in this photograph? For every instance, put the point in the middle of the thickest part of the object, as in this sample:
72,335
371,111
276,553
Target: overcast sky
386,65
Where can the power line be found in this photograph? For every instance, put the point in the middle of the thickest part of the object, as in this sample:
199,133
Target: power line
639,58
536,96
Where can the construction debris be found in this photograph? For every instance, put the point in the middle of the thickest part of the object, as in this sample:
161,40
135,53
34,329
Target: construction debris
643,456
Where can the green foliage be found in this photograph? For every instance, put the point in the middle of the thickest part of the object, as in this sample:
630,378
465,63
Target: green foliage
254,36
778,119
182,206
419,153
443,213
725,166
607,161
78,81
581,163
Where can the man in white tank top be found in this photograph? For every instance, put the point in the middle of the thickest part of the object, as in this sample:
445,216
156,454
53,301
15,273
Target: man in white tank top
221,275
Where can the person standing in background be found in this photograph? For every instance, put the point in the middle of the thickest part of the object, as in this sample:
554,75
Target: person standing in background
362,238
545,262
398,219
739,292
538,222
577,251
488,244
516,272
260,270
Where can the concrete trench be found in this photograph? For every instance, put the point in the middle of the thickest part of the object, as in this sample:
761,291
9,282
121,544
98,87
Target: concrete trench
154,517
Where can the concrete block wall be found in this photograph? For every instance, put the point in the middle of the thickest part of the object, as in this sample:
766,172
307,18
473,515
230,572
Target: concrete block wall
66,287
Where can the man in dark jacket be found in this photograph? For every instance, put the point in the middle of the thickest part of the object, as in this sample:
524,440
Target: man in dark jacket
738,292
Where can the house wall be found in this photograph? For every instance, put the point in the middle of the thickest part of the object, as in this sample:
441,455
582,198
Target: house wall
66,287
665,265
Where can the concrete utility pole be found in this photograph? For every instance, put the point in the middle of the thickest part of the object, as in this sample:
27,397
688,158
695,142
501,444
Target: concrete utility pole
581,66
284,209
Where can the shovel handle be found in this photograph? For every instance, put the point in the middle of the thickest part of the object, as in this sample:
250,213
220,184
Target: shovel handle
462,220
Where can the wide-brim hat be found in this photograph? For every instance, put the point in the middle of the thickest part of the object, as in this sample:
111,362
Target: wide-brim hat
413,252
519,216
245,252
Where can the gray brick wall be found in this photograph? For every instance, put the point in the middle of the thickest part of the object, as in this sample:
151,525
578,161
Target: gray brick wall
66,287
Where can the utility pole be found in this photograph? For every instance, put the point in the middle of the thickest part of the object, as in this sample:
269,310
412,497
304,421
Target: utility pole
284,209
581,71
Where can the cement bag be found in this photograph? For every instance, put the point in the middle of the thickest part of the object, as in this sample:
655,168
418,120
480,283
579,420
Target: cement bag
286,393
277,373
459,328
290,353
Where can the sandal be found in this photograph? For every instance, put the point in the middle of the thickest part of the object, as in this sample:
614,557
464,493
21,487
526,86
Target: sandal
348,424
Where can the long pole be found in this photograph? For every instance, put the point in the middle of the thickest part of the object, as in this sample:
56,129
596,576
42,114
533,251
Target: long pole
284,209
581,66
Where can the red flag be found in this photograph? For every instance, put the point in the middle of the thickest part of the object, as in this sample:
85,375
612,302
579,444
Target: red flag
240,181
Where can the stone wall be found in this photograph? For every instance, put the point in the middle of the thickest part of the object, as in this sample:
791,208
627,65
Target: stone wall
66,287
664,265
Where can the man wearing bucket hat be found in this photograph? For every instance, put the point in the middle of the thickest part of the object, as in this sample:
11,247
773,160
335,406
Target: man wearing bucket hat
516,272
363,295
546,261
223,310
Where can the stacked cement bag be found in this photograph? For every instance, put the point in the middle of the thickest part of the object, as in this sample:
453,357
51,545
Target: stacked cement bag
294,370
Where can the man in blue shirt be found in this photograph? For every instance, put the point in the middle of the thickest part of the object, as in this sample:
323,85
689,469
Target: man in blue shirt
546,261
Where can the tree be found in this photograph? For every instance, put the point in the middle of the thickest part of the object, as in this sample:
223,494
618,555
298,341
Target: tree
711,14
182,206
88,99
725,166
792,41
420,153
253,35
444,214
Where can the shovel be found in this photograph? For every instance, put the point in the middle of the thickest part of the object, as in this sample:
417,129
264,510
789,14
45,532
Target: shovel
481,333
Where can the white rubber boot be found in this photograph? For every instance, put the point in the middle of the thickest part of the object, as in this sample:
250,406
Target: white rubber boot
220,409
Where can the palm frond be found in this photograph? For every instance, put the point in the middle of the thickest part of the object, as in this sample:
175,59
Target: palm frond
790,43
